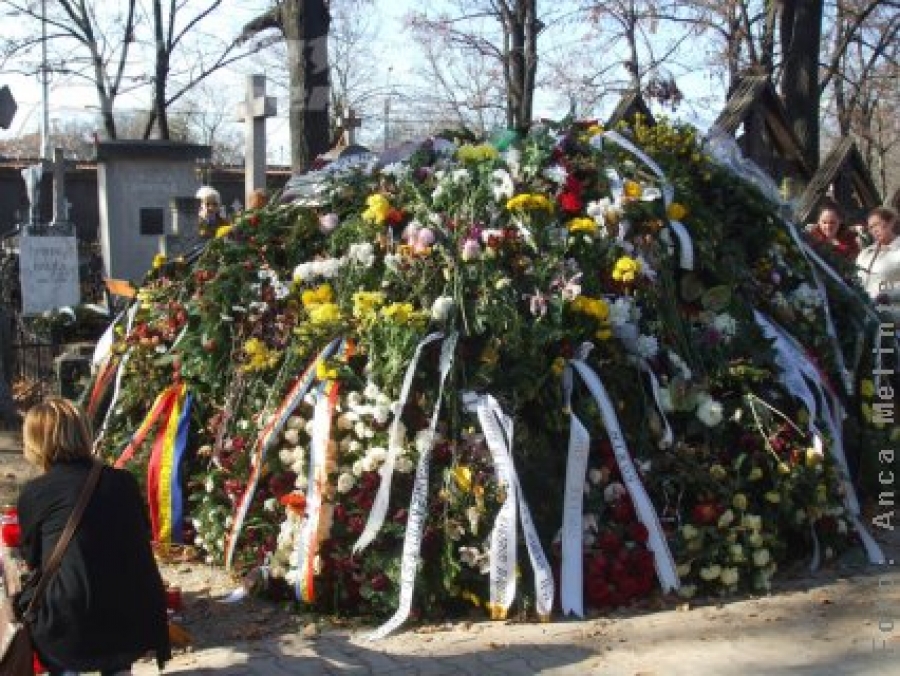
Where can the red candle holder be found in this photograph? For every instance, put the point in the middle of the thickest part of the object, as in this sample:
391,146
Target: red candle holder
10,533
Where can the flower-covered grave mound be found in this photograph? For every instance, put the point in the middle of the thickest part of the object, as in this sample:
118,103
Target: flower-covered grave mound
565,371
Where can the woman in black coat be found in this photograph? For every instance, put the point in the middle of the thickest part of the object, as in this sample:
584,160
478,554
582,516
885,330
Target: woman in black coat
105,607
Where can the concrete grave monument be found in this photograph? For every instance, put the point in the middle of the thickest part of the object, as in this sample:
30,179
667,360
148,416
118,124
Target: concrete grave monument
137,182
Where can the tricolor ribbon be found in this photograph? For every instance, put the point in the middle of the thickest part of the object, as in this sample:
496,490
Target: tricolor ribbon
802,380
163,473
646,512
160,410
317,481
266,437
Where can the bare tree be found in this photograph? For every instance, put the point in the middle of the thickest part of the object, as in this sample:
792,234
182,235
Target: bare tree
502,31
86,43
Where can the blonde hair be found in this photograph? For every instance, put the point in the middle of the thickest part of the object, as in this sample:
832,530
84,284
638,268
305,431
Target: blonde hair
54,431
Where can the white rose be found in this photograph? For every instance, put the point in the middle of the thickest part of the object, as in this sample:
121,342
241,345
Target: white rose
292,436
709,411
614,491
378,454
404,465
368,464
357,468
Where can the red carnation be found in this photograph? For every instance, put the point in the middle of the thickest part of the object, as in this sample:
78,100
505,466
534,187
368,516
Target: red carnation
609,542
570,203
637,532
622,511
705,513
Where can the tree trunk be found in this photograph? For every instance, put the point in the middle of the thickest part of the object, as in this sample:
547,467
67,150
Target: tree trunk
305,26
801,38
161,75
520,31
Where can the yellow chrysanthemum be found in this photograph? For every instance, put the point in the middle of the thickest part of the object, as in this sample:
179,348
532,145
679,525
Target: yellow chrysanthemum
259,356
626,269
326,372
462,475
592,307
529,202
365,303
583,224
558,366
324,313
594,129
158,261
222,231
317,296
676,211
867,388
480,153
377,209
401,313
633,190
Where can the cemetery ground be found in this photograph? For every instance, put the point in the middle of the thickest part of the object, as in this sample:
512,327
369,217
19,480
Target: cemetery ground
843,619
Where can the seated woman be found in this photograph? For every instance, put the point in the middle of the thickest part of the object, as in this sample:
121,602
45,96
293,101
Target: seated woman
830,229
105,606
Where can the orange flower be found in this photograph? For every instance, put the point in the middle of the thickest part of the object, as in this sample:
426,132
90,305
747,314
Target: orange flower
295,502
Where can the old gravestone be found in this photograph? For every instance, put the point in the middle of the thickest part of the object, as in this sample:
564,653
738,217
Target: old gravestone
137,181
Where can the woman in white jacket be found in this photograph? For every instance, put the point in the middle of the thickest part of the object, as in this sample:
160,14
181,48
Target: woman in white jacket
879,263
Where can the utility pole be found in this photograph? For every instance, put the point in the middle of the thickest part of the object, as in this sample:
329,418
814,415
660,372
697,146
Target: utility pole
45,87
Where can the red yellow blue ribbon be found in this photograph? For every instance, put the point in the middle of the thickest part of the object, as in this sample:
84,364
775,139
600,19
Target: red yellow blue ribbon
163,478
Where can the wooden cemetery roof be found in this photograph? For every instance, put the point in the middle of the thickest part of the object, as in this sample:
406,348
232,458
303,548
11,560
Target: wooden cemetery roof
845,161
756,92
630,105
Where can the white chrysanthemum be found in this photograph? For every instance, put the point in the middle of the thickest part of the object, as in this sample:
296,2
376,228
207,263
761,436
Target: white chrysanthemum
806,296
710,573
404,465
378,454
556,173
371,391
595,476
292,436
647,346
345,483
362,254
614,491
358,468
502,185
761,557
620,311
709,411
730,576
381,413
725,324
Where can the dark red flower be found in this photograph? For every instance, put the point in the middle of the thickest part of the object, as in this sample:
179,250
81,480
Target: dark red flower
637,532
622,511
380,582
609,542
705,513
570,203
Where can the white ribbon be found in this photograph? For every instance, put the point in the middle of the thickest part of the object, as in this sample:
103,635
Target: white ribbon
498,431
418,510
685,243
571,574
379,507
503,535
646,512
801,378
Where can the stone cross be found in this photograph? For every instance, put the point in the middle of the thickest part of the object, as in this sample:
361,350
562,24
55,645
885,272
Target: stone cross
349,124
253,112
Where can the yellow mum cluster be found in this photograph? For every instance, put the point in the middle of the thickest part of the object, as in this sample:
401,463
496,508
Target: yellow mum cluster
597,309
626,269
259,356
365,303
377,209
222,231
529,202
402,313
633,190
317,296
582,224
326,371
475,154
319,303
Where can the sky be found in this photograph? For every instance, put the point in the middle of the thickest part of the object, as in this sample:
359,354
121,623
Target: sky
70,100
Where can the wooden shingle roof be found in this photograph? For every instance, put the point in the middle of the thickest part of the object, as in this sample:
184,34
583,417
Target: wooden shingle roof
631,104
753,90
844,157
